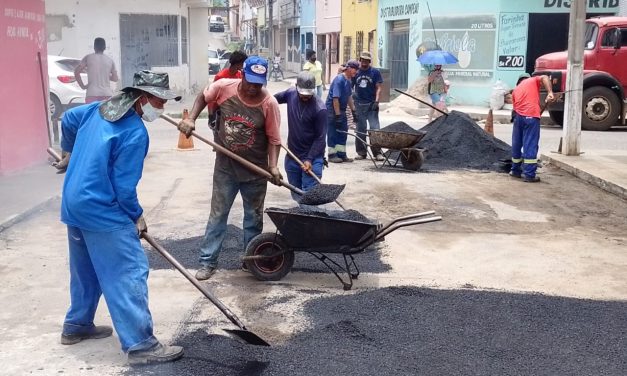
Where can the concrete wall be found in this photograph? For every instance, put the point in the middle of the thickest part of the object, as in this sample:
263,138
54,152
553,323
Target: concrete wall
199,37
359,16
23,134
328,16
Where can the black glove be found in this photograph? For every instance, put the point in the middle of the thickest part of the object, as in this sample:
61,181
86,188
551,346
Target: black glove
355,118
374,106
338,121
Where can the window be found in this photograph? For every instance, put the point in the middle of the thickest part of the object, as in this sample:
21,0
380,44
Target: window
183,40
359,43
610,35
348,46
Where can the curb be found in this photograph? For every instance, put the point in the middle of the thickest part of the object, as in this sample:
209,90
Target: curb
27,213
605,185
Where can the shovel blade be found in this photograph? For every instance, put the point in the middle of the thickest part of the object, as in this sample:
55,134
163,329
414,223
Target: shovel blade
322,194
247,336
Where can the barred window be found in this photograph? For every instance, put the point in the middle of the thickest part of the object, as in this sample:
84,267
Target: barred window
359,43
348,46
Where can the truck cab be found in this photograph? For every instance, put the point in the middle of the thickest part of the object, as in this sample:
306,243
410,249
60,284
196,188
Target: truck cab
605,74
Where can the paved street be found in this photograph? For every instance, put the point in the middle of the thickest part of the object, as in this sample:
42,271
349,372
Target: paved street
517,279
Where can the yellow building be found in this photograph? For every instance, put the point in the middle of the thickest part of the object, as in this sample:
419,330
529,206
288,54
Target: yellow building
359,29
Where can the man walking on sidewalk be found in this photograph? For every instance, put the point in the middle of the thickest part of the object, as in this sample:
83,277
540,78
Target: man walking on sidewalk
106,145
248,126
367,83
526,130
338,99
100,70
307,122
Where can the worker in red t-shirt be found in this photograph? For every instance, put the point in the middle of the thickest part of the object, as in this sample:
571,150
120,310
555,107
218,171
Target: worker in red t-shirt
526,131
234,70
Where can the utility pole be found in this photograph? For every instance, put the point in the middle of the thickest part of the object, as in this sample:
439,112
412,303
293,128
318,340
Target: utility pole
574,79
271,27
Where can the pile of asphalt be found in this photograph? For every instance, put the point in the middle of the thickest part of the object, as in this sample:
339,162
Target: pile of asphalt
457,142
415,331
400,127
187,252
348,215
321,194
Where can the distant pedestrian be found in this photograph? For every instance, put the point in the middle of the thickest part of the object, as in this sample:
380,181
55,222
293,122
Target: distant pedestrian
526,130
314,67
100,70
338,100
106,145
367,83
436,88
307,123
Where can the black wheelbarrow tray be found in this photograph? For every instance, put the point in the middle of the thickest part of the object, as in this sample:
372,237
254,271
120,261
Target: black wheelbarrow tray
270,255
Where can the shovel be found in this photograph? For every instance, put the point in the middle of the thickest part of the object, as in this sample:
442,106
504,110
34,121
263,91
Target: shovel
241,333
311,173
313,198
423,102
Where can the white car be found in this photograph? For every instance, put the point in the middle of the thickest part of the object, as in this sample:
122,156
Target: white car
64,91
217,60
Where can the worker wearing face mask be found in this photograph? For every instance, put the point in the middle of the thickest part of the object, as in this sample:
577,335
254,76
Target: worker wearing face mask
106,143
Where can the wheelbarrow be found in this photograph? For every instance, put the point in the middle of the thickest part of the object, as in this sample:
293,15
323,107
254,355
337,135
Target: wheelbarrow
270,255
399,147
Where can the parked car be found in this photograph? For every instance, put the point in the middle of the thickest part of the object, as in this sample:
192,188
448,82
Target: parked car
218,59
216,24
63,89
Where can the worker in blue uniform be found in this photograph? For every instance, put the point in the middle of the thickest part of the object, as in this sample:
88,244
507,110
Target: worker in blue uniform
105,144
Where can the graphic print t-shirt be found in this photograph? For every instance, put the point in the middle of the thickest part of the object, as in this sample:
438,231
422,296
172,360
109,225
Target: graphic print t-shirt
246,128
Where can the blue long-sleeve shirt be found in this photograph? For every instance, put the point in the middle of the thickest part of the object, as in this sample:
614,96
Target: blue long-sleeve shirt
99,191
307,125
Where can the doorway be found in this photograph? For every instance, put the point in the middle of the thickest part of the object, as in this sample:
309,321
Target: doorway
398,52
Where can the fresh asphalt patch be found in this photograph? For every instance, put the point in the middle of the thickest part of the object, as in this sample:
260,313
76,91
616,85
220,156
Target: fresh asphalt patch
187,252
418,331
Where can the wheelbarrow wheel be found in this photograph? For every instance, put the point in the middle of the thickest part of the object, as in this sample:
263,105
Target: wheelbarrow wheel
412,159
276,258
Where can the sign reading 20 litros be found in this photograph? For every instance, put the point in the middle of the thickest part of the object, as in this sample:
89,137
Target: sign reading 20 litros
511,61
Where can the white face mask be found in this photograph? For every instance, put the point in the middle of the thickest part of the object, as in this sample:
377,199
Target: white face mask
150,113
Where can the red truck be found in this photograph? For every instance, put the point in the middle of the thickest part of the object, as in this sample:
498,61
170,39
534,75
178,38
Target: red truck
605,74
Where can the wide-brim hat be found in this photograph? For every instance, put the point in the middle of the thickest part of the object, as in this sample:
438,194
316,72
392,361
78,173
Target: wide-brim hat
366,55
154,83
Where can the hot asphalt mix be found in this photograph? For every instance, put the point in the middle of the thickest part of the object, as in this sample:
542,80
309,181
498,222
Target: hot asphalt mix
411,331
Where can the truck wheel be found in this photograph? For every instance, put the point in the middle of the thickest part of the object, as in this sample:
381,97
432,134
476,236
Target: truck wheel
601,109
557,117
276,266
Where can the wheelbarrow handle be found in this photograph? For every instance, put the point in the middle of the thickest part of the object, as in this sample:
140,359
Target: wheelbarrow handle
398,225
230,154
423,102
404,218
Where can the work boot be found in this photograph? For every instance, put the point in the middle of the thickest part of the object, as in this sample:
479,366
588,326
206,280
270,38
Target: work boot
205,273
515,175
534,179
336,160
379,158
157,354
347,159
359,157
94,332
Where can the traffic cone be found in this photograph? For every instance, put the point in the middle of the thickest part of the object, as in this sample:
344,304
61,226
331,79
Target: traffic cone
489,123
185,143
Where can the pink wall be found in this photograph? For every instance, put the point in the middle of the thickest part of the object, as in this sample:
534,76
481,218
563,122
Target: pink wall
23,135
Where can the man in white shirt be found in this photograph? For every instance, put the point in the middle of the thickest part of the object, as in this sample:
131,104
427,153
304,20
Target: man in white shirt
100,70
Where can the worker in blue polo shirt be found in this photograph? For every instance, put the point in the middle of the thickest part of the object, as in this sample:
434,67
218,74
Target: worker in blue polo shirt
339,97
367,83
307,123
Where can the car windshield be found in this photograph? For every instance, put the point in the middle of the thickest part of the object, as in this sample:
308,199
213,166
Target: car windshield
68,64
213,53
592,30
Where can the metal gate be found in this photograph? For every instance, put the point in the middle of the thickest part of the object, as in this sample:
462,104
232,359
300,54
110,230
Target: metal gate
398,52
147,40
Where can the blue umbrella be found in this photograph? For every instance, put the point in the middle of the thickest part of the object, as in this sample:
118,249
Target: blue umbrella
437,57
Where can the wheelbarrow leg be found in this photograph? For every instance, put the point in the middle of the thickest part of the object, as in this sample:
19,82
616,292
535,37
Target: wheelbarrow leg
326,260
350,266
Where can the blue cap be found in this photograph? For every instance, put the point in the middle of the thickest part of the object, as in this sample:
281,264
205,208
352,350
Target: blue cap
255,70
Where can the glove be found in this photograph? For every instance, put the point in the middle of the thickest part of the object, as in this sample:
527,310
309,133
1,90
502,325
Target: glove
186,125
276,176
338,121
61,165
141,225
355,118
374,106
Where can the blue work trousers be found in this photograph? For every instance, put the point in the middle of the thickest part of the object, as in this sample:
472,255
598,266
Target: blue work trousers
366,117
319,91
299,178
336,141
114,264
225,189
525,138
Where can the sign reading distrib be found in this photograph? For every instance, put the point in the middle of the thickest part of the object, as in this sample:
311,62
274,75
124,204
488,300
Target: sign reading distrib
591,3
400,10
